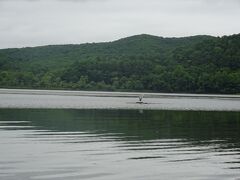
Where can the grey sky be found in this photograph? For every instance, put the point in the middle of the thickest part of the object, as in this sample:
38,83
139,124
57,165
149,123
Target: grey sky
41,22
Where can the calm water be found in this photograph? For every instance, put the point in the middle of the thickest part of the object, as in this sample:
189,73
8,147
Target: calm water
13,98
119,144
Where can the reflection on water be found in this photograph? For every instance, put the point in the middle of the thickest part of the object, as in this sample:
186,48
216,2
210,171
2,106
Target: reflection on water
119,144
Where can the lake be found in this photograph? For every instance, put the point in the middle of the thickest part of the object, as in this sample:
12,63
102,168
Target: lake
118,144
44,136
17,98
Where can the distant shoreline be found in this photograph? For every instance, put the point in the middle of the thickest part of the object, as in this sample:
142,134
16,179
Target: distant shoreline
112,94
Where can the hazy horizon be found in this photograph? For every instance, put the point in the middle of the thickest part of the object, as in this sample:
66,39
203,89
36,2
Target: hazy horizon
30,23
113,40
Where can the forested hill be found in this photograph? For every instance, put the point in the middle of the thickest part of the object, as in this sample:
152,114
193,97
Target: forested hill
197,64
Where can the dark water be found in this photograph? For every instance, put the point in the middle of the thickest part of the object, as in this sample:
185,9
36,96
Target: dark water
119,144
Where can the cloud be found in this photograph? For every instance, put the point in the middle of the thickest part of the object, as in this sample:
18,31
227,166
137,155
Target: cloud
41,22
51,0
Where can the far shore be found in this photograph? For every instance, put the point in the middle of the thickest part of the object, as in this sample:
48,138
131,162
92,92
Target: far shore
112,94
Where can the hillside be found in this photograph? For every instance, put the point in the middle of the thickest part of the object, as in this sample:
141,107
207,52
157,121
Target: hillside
58,55
199,64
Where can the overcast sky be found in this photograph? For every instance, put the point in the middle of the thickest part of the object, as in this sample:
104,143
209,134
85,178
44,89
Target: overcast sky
42,22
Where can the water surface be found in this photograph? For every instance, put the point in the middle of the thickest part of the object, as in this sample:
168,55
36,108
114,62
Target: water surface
13,98
119,144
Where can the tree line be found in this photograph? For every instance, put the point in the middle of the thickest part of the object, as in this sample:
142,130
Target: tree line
140,63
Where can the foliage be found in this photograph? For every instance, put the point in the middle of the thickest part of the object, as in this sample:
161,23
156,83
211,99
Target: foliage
199,64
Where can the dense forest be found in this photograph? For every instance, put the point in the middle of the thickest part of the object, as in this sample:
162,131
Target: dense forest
196,64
